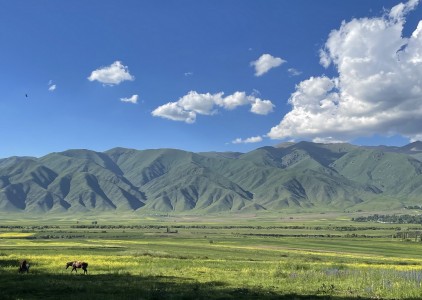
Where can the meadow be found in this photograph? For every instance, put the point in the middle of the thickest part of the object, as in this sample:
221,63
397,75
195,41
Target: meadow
223,257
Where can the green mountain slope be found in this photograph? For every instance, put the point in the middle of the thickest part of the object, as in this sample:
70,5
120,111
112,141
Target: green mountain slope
291,176
393,173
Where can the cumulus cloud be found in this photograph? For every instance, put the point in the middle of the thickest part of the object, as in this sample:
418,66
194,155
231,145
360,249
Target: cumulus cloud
254,139
261,107
173,111
378,89
236,99
192,104
112,74
133,99
265,63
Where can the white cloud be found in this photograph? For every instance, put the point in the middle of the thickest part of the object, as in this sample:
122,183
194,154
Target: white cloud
51,86
378,89
254,139
236,99
189,106
111,75
294,72
327,140
174,112
261,107
133,99
401,9
265,63
187,74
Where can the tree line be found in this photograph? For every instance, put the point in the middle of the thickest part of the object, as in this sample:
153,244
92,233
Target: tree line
392,219
219,227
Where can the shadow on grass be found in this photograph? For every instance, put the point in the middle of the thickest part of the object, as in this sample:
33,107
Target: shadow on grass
126,286
9,263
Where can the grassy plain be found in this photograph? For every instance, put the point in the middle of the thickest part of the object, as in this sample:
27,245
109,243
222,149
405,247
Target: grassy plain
221,257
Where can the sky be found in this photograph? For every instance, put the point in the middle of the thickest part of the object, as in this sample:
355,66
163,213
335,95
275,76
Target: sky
200,75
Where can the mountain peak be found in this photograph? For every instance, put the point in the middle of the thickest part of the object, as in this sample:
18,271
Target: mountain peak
415,146
284,145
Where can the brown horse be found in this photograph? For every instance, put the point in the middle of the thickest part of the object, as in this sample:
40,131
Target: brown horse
23,266
77,265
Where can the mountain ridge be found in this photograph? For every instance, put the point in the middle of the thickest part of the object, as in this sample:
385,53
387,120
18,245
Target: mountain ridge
299,176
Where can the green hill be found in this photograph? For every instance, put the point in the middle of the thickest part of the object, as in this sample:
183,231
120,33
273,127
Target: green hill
300,176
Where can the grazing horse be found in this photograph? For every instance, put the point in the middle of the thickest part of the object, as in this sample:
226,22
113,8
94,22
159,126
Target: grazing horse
23,266
77,264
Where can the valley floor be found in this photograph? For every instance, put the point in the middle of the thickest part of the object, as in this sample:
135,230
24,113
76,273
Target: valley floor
190,257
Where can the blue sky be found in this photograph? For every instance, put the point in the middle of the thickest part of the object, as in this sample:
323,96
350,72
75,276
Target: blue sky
201,75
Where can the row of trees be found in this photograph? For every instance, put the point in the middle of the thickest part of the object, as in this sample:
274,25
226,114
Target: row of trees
220,227
413,207
392,219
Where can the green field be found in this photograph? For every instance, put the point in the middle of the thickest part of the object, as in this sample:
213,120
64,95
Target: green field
223,257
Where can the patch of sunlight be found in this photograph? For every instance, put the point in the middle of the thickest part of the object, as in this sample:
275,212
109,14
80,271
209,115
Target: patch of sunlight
15,234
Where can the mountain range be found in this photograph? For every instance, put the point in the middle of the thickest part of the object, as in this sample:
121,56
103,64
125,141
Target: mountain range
299,176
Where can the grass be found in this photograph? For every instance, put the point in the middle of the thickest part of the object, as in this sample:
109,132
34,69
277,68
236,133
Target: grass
205,262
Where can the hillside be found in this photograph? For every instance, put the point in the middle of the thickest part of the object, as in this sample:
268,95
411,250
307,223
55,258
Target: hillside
291,176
